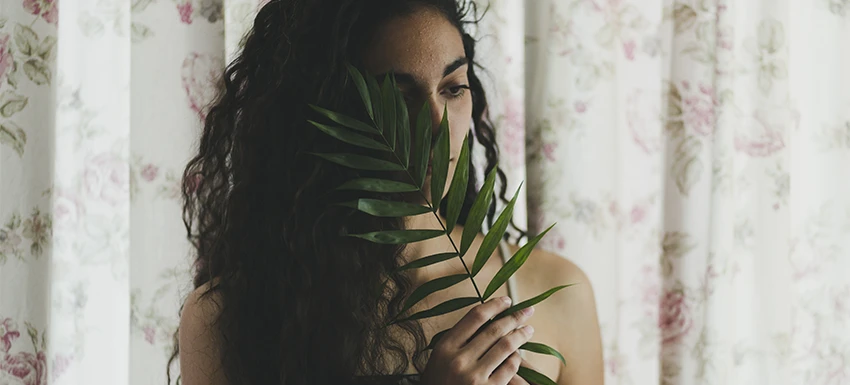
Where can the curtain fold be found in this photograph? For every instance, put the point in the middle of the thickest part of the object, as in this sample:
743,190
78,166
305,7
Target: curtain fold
694,153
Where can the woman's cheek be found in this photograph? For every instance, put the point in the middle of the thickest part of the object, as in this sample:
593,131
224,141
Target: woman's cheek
460,124
458,133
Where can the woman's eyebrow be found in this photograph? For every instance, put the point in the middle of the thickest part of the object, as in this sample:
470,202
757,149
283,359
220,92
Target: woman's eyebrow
459,62
407,79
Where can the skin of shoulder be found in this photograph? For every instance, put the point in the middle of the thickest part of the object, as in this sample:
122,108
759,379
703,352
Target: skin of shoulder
571,310
200,359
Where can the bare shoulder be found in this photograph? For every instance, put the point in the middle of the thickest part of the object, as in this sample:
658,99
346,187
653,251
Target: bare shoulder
199,347
571,313
544,270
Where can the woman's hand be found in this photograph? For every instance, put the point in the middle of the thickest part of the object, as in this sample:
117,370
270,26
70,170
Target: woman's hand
462,357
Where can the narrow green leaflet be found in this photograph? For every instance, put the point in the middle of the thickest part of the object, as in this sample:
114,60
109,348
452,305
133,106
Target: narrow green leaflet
430,287
509,268
534,377
436,339
421,152
478,211
457,190
494,236
360,162
443,308
403,146
388,100
537,347
530,302
377,185
346,121
375,94
427,261
350,137
397,237
360,83
382,208
440,164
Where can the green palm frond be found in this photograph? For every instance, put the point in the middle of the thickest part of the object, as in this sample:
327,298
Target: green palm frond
392,147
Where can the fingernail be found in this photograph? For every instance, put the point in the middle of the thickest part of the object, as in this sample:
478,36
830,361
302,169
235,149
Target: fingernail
506,300
528,330
528,311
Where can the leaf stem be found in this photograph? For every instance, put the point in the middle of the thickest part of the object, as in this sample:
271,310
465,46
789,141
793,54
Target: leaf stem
468,273
422,194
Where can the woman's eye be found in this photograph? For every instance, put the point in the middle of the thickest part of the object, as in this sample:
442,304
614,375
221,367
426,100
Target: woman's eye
457,91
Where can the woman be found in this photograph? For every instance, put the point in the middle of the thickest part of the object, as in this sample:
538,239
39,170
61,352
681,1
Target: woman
281,297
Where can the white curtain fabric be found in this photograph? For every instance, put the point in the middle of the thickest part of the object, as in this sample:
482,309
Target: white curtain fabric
695,155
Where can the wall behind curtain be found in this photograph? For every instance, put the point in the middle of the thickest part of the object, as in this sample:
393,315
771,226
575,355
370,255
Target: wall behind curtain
695,155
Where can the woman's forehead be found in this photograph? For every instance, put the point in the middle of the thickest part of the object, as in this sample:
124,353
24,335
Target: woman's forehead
422,44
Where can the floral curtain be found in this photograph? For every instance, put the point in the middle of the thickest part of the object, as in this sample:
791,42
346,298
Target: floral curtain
695,154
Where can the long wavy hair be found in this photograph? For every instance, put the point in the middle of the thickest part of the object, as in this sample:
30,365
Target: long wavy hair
300,303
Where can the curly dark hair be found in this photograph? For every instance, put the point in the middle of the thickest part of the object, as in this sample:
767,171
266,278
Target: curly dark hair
299,302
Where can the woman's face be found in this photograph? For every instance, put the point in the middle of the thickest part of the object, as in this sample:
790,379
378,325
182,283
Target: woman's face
425,51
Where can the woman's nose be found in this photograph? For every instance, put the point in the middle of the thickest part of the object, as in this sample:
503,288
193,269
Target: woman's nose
436,110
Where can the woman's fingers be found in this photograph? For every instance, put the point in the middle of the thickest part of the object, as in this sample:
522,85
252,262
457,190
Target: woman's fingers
481,343
506,372
473,320
505,347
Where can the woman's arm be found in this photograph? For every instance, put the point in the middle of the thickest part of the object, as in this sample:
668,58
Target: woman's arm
200,359
580,340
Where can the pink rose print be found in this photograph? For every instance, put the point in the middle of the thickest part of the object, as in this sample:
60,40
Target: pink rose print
643,117
8,333
629,49
614,208
200,74
106,178
185,10
698,109
24,368
150,172
711,275
615,365
650,287
674,317
515,114
638,214
553,240
560,33
67,210
726,37
580,107
549,151
150,334
512,131
61,362
45,8
765,134
5,56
